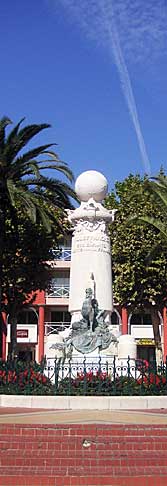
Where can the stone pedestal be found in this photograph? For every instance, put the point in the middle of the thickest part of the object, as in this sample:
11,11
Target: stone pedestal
91,252
90,301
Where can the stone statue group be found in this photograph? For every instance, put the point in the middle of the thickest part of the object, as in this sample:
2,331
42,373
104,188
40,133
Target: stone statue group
91,331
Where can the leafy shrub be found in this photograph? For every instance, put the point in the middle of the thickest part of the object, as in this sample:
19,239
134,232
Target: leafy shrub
19,378
153,384
101,383
86,384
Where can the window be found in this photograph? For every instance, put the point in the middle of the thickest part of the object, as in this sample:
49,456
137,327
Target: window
141,319
136,319
147,319
114,318
65,243
61,278
27,317
63,252
60,316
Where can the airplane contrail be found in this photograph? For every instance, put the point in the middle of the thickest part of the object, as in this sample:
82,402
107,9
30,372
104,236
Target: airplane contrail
97,18
125,83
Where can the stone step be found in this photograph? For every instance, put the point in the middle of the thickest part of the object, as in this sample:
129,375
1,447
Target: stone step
128,470
65,465
83,455
45,480
78,429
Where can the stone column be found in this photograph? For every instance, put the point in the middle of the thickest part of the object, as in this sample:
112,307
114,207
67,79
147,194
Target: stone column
91,252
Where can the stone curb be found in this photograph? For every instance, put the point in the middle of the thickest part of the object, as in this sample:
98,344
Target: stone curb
84,403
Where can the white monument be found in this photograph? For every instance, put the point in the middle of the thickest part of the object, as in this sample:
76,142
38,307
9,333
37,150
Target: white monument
91,251
90,302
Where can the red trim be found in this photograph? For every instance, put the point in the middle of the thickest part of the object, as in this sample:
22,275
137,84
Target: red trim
4,334
165,331
37,297
41,332
124,321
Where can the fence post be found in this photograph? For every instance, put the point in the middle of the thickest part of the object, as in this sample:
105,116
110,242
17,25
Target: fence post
69,381
85,378
128,370
154,370
99,367
128,367
166,369
114,376
56,376
99,377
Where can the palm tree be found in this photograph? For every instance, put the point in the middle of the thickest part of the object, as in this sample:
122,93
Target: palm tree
157,187
23,184
21,179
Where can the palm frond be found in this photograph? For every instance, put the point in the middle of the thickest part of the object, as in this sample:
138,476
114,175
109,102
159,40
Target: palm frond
159,225
13,133
160,180
21,139
32,154
22,177
61,166
19,195
158,189
29,168
57,189
45,219
4,122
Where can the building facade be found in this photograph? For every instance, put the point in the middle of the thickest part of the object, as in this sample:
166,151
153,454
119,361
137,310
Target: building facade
49,315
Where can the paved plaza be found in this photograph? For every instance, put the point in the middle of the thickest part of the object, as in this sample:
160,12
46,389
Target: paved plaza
34,416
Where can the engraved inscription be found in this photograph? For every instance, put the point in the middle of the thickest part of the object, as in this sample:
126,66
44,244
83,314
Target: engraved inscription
87,243
97,225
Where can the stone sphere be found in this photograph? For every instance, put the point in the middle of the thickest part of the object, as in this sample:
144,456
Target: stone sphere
91,184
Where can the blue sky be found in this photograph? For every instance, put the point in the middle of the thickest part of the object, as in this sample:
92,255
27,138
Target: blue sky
97,72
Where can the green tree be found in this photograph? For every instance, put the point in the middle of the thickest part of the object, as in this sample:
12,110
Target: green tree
22,181
139,273
157,187
26,266
28,199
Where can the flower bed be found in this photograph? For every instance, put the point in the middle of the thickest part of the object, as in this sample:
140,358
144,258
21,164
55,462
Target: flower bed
102,384
18,378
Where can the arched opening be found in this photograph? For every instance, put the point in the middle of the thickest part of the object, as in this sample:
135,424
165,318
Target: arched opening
142,328
28,316
116,320
27,334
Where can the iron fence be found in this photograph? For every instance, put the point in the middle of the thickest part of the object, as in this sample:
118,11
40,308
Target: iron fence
102,376
106,376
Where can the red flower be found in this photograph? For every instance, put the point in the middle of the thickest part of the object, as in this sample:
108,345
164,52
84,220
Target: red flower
151,379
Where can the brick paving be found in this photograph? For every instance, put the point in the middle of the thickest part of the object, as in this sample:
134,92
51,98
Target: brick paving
83,447
83,454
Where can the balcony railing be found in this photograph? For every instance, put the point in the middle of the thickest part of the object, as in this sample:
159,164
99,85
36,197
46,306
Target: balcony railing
59,291
55,327
63,254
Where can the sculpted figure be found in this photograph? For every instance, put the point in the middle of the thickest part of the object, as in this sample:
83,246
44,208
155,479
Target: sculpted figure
90,332
87,309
